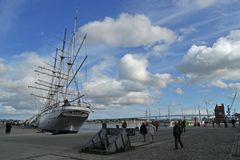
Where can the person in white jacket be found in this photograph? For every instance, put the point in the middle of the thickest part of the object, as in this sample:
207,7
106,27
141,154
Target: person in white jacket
152,130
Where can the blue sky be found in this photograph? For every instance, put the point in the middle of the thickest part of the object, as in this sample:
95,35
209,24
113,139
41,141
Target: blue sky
142,54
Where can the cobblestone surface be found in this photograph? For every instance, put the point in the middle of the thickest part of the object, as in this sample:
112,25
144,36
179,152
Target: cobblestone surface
204,143
201,143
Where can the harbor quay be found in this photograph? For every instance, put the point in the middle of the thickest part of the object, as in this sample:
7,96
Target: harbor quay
199,143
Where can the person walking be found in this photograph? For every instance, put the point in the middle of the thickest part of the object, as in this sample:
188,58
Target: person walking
184,125
151,130
156,124
218,123
233,121
124,124
225,123
177,131
143,131
212,122
8,127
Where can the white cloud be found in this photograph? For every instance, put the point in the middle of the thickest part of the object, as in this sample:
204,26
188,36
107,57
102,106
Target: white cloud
15,95
161,80
159,48
132,98
113,92
133,86
216,64
223,85
9,109
103,88
135,68
179,91
106,88
20,74
115,87
128,31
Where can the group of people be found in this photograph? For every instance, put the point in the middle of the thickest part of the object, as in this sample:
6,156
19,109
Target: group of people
150,128
233,121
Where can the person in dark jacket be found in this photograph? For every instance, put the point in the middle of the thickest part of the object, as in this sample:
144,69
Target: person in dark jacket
124,124
225,123
177,131
8,127
143,131
233,121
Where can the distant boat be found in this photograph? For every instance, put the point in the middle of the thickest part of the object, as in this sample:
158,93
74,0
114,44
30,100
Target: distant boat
64,110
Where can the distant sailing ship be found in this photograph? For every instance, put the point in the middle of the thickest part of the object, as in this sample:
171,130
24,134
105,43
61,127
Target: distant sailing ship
64,110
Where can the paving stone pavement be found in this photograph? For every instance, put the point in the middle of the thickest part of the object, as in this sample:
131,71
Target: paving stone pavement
200,143
204,143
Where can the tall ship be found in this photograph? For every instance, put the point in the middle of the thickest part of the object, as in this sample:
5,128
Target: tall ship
64,109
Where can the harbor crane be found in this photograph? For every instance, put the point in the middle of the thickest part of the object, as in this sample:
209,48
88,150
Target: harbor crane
230,107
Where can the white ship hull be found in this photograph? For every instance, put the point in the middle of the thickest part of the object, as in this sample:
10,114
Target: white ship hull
64,119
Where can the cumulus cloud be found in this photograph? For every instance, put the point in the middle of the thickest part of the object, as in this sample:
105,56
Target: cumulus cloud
15,96
217,64
135,68
114,92
133,86
106,88
21,74
128,31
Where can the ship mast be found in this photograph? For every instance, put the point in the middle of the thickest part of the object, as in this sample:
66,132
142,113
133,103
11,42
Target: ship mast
61,65
61,76
70,63
51,93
